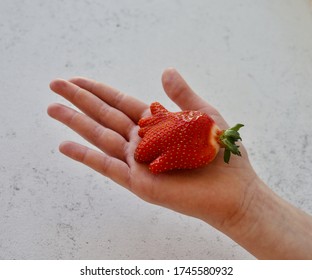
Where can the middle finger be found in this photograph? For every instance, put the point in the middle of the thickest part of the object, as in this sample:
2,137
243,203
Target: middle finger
107,140
94,107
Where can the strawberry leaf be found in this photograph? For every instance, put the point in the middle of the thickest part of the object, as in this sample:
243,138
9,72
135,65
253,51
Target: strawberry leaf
228,139
227,155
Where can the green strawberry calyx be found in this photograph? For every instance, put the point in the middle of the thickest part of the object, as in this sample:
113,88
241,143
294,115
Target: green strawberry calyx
228,139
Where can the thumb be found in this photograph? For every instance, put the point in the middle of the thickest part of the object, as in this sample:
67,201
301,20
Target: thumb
180,93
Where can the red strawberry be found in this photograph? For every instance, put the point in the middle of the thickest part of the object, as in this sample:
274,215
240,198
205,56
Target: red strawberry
182,140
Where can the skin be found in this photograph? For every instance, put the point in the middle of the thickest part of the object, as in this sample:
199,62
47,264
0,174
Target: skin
230,197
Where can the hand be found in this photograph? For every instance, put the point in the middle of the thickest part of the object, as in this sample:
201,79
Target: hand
230,197
218,193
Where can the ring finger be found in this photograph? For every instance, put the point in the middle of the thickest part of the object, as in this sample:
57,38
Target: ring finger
104,138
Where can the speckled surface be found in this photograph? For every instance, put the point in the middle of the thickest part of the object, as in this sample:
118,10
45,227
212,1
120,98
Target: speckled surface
251,59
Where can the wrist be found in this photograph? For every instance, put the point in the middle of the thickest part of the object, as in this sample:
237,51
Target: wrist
269,227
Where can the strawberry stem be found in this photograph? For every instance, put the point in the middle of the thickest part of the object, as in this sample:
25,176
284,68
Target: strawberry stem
227,140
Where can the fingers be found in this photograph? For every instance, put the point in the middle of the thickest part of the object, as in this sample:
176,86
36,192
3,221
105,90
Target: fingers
110,167
105,139
94,107
179,92
130,106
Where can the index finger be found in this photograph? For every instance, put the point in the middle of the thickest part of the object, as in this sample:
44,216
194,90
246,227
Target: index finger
129,105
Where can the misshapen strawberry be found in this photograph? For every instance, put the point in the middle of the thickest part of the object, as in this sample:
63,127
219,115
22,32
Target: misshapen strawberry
182,140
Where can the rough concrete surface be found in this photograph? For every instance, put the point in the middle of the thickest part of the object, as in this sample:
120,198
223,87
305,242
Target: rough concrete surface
250,59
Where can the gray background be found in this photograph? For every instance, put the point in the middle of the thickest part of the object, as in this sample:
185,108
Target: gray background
250,59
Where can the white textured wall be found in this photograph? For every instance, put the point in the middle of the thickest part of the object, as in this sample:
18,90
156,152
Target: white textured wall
251,59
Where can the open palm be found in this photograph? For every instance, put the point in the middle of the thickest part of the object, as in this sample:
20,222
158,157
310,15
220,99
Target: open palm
108,119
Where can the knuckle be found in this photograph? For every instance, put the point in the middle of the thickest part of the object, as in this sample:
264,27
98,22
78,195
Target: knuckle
104,111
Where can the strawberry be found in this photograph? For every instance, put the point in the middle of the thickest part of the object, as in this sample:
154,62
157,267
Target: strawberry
182,140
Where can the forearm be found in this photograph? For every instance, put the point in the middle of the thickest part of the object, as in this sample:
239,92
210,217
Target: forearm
271,228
